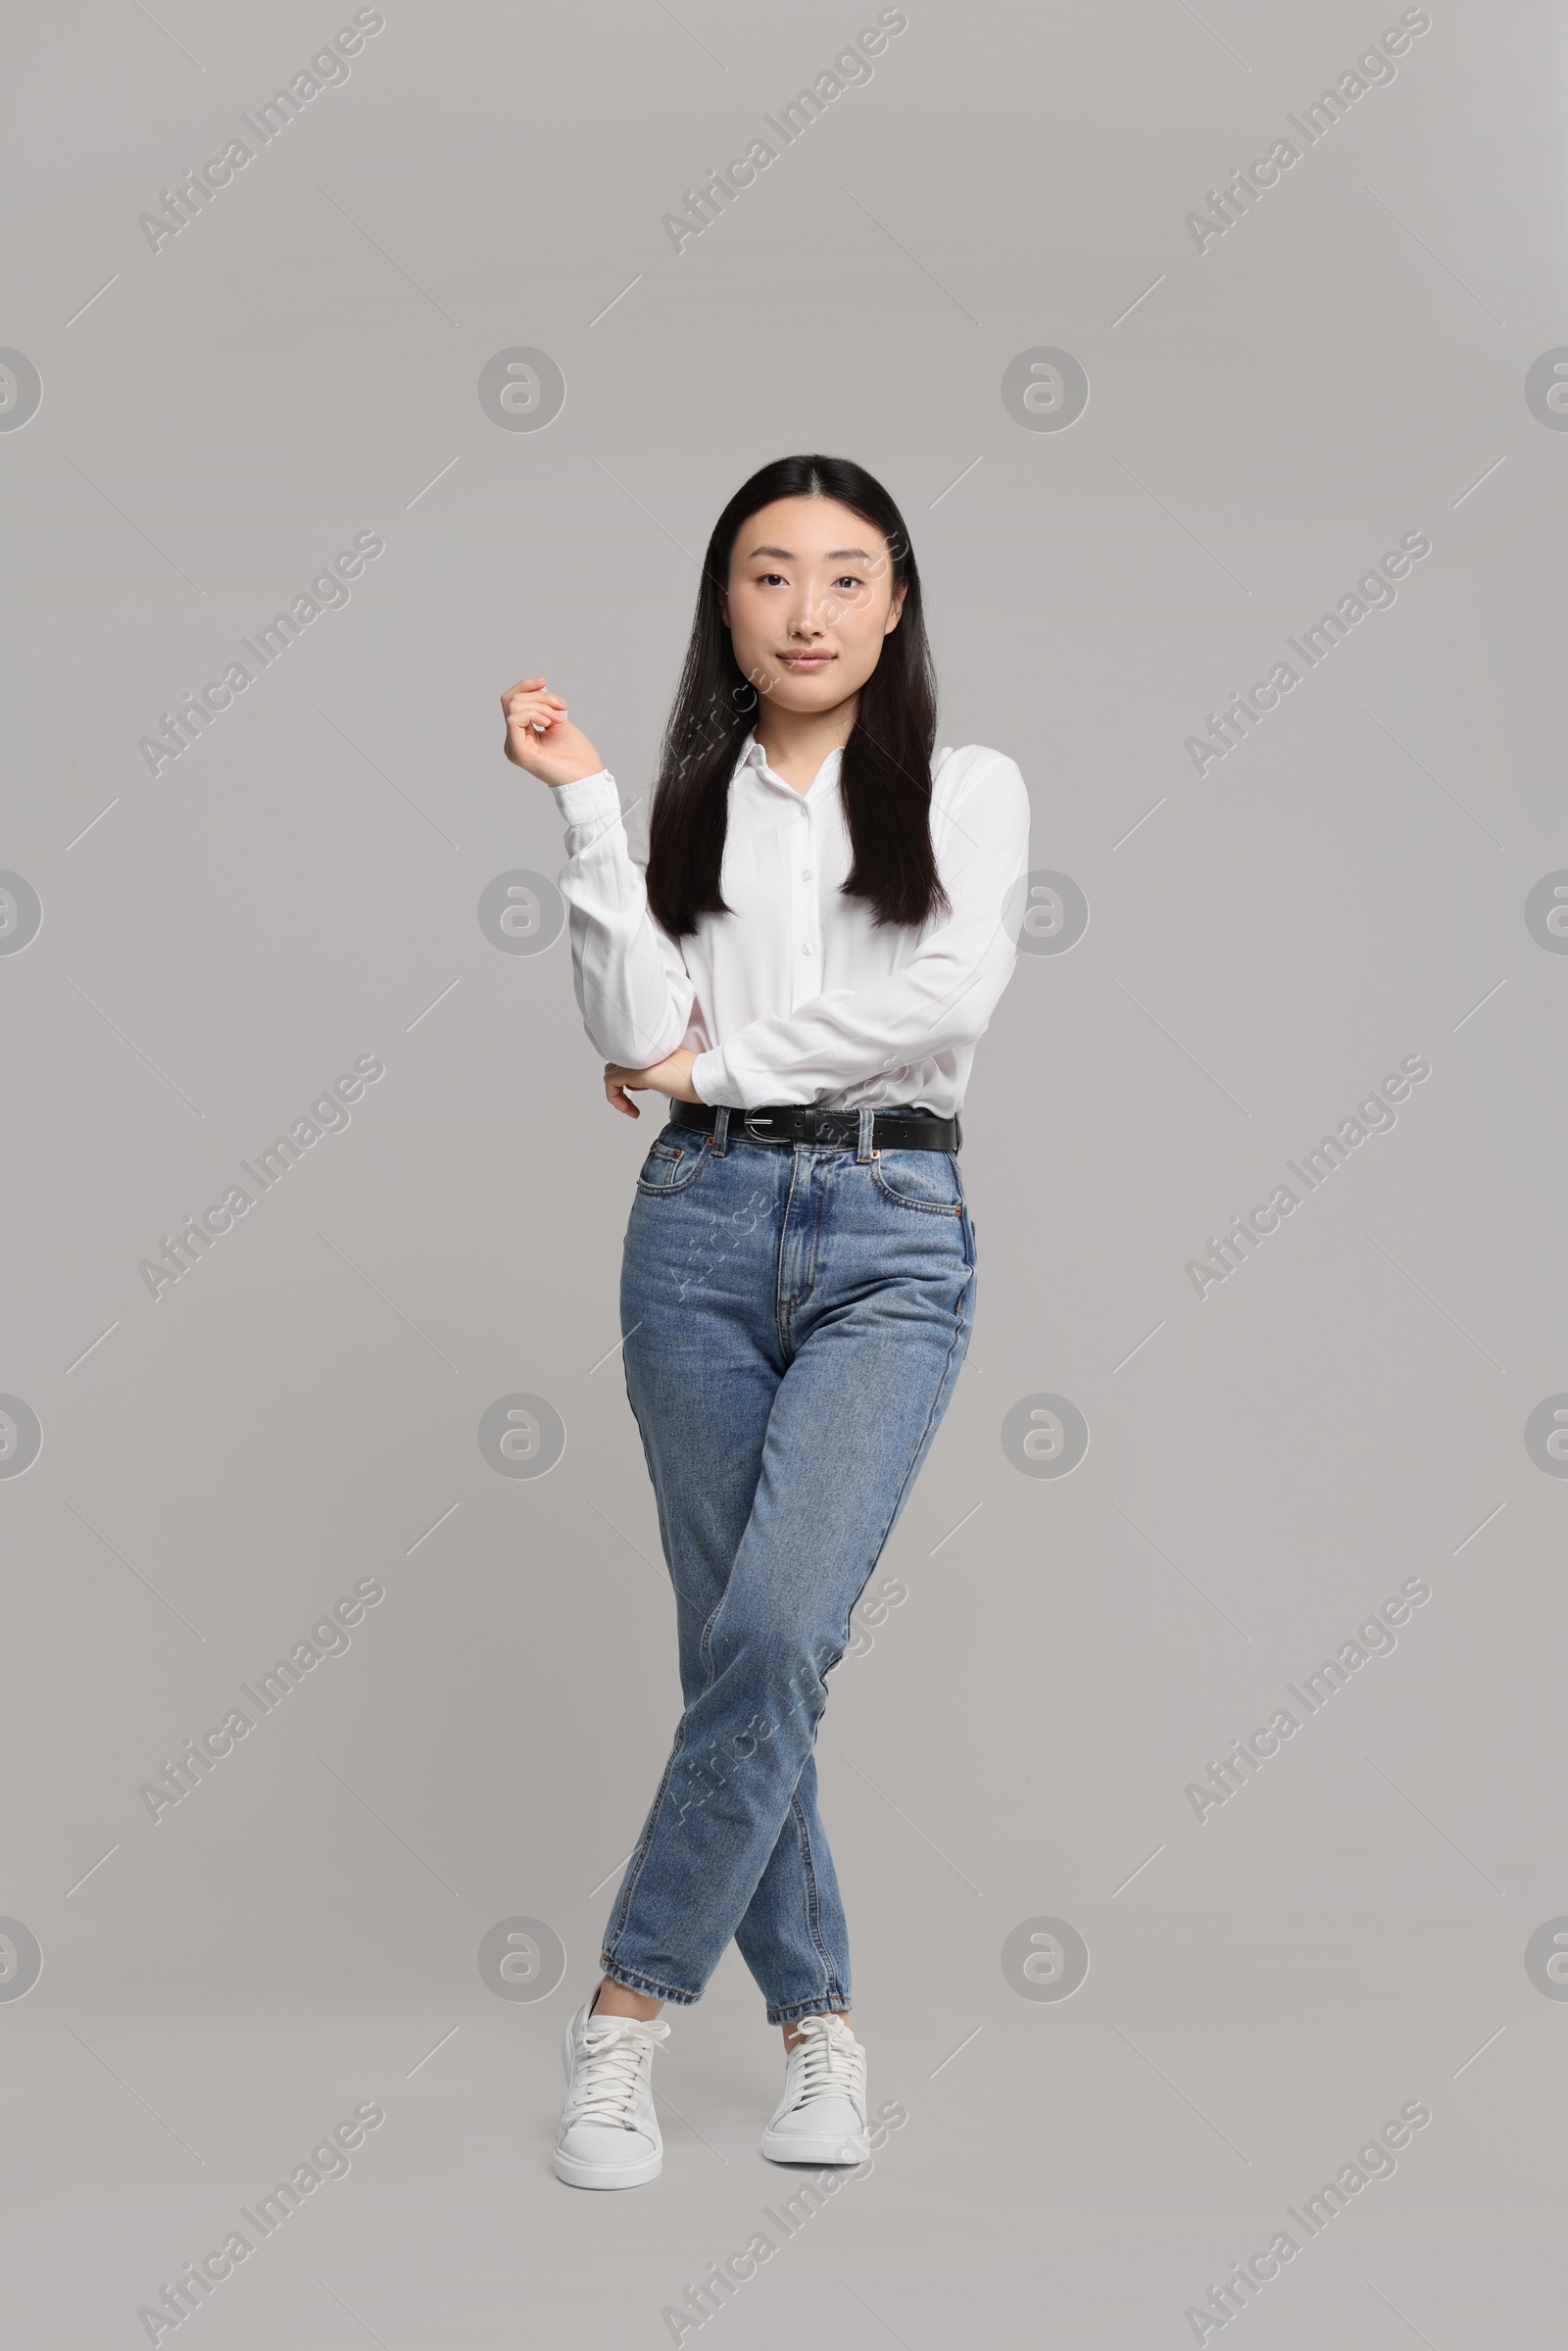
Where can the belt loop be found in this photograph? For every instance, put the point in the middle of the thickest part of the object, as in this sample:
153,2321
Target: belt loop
862,1146
720,1129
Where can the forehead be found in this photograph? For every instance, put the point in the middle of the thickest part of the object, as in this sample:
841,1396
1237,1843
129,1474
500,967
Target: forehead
808,527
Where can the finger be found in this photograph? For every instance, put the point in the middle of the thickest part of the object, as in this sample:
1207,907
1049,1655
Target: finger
522,723
525,712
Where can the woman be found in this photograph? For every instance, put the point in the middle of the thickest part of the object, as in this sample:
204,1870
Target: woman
818,939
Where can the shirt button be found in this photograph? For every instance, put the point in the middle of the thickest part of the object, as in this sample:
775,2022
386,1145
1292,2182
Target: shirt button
806,948
806,873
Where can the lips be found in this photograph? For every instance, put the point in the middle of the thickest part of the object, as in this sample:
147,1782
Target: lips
806,660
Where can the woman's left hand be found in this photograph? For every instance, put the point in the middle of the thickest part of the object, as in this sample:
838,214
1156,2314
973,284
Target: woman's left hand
672,1076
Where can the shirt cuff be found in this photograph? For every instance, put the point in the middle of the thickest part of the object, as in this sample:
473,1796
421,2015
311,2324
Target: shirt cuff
709,1079
587,798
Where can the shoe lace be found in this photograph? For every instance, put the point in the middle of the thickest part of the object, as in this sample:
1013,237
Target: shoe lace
616,2054
825,2060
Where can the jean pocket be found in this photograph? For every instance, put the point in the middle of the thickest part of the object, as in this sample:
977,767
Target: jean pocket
672,1166
924,1180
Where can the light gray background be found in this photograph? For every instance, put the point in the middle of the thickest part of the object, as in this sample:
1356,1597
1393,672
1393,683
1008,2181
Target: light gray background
1265,1988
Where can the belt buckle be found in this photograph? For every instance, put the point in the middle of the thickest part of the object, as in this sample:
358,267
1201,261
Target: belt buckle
751,1127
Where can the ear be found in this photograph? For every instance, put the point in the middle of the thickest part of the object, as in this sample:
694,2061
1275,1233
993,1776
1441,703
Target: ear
894,610
724,609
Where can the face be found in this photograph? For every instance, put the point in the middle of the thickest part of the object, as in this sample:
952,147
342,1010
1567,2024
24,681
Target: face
810,600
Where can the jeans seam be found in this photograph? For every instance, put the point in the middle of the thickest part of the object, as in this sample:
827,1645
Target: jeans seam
645,1842
808,1866
819,1215
910,1474
780,1304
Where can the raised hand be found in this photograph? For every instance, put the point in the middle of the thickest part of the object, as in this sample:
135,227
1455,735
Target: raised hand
541,738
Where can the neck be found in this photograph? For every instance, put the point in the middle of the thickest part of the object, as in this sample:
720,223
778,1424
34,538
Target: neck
800,740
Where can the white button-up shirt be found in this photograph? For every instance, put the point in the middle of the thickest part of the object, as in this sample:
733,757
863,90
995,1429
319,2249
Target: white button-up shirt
795,996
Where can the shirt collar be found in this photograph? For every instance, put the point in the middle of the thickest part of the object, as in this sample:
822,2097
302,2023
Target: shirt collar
753,755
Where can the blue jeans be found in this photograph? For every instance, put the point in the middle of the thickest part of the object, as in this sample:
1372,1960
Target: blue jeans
795,1317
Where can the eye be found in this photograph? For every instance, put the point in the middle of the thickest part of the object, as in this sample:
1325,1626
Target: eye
765,576
849,579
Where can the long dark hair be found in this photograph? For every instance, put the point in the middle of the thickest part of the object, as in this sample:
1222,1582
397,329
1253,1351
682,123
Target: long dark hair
885,776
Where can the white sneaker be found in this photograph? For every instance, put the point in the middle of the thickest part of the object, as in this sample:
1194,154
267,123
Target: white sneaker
822,2116
608,2134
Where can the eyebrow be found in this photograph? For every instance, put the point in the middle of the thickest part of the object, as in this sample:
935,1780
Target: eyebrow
834,553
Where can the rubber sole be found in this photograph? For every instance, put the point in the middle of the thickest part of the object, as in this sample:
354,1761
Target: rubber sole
597,2174
781,2147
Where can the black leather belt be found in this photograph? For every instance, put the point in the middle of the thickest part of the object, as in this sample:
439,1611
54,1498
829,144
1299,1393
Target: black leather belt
803,1122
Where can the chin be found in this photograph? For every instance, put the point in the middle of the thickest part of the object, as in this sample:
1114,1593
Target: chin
816,693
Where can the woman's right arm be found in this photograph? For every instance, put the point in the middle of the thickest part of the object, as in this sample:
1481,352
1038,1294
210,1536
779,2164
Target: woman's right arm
633,989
